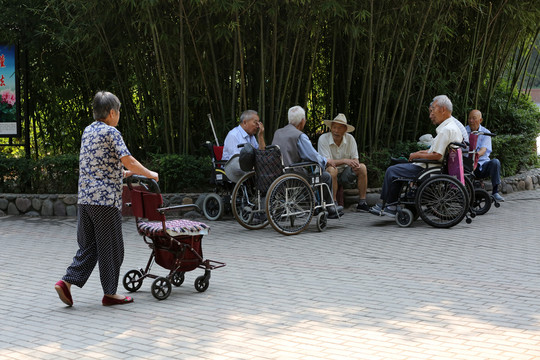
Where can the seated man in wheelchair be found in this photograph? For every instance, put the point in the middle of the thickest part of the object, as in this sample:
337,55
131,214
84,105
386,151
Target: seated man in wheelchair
295,147
486,167
440,113
250,130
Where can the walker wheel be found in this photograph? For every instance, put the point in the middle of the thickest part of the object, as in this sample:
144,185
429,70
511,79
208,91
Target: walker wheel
404,217
178,278
132,280
201,283
322,221
161,288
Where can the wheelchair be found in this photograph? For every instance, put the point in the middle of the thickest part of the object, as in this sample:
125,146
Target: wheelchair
439,195
482,200
216,204
287,198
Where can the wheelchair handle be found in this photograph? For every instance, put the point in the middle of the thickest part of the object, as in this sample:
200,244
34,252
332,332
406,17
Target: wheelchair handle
144,181
460,144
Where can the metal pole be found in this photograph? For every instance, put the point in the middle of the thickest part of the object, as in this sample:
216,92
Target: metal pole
214,131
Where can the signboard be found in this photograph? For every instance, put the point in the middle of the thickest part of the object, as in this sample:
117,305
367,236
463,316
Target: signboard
9,99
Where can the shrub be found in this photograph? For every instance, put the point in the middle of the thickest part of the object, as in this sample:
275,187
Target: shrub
59,174
181,173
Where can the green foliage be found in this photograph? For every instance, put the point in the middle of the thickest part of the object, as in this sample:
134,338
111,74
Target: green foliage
59,174
51,175
181,173
515,152
378,161
521,117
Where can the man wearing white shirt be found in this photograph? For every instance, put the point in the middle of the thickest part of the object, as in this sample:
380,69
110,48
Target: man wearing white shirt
440,113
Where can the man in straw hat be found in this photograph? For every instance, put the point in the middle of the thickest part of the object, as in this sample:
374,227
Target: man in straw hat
341,147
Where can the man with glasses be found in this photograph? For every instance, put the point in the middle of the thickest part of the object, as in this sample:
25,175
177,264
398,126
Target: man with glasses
440,113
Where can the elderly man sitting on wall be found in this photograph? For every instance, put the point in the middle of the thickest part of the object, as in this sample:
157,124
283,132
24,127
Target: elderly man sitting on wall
440,113
341,147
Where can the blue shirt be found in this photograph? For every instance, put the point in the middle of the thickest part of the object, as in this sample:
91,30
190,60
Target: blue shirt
484,141
234,138
308,153
100,167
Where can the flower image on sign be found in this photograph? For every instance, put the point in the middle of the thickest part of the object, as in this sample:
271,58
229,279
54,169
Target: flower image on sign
8,93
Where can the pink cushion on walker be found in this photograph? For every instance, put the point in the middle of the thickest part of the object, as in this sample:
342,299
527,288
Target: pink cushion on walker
173,227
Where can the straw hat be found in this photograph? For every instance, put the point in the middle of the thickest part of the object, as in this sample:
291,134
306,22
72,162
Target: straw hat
339,119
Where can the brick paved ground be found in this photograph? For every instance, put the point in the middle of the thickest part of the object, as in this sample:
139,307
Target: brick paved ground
364,289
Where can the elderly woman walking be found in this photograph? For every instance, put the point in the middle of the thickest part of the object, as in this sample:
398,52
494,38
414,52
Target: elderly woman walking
102,159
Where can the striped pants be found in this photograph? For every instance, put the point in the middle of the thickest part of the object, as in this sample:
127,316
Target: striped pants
99,234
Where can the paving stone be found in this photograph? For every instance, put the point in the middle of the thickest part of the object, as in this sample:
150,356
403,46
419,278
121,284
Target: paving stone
363,289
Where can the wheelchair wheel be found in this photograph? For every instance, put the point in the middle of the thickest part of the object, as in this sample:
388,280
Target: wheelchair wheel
442,201
247,203
413,210
290,204
482,202
213,207
322,221
404,217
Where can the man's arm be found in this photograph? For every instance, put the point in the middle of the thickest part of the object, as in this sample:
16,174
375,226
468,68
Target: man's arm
307,152
260,137
424,154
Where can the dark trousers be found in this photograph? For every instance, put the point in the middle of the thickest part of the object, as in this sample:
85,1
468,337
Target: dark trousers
491,169
390,189
99,235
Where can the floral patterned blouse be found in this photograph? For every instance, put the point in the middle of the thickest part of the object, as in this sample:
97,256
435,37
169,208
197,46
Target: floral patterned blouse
100,167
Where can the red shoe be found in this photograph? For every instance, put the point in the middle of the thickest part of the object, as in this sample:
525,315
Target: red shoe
108,301
63,292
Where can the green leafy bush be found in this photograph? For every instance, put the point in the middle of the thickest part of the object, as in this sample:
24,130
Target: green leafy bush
59,174
181,173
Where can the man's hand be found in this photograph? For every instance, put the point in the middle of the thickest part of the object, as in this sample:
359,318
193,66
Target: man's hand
261,129
330,163
353,163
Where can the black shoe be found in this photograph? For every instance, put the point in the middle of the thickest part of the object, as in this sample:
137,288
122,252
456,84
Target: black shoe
363,207
333,211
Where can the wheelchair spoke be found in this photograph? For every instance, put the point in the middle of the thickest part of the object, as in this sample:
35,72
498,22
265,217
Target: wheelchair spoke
290,204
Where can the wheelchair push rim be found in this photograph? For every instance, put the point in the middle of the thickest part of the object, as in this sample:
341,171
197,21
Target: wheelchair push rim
247,203
442,201
290,204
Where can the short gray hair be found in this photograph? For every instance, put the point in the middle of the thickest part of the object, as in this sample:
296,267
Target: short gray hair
247,115
444,101
104,102
296,114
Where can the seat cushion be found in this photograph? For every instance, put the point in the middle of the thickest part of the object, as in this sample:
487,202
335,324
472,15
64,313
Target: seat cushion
173,228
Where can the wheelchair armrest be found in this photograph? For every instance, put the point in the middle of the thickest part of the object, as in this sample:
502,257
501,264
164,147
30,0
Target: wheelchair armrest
426,161
302,164
176,207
